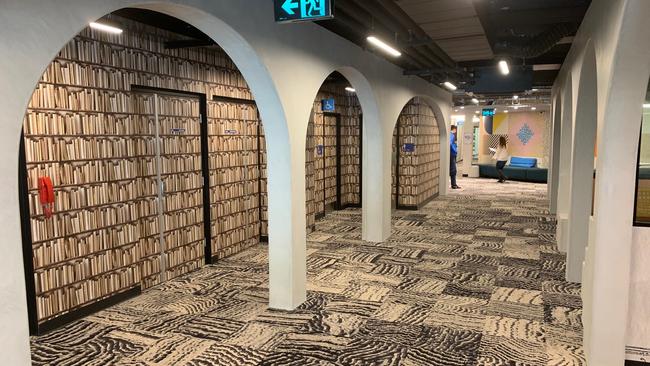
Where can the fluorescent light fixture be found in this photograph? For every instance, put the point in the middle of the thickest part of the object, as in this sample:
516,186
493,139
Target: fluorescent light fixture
462,107
534,89
646,105
474,100
350,89
533,108
450,86
515,97
506,111
476,112
516,107
385,47
105,28
503,66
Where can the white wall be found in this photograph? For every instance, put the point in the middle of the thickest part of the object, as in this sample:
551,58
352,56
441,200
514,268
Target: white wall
284,66
638,323
618,31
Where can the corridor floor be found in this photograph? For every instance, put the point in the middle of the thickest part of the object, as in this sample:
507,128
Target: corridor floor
471,279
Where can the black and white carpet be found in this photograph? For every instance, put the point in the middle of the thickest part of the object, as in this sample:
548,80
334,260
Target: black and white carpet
471,279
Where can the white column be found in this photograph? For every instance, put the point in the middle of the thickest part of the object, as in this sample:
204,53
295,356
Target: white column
377,179
554,158
466,138
564,176
580,196
287,232
605,292
582,167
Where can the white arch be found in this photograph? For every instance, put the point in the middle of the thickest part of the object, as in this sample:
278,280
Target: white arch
443,129
554,164
39,43
582,167
564,178
606,279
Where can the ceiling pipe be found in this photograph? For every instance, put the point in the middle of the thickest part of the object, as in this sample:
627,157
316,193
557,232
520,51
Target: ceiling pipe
538,45
360,30
396,11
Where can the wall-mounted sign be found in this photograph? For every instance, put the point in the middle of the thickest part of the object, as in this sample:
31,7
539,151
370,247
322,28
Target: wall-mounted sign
320,149
327,105
302,10
231,132
177,131
487,112
408,147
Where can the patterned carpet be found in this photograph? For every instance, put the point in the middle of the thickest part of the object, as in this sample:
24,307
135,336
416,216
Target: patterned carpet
471,279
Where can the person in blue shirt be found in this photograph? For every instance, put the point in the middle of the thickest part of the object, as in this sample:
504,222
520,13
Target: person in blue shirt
452,157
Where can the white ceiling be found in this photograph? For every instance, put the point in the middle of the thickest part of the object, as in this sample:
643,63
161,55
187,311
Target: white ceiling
453,24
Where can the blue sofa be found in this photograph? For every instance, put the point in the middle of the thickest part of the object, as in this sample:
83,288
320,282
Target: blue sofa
520,168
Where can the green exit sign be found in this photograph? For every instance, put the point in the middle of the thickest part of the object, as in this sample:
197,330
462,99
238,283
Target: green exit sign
488,112
302,10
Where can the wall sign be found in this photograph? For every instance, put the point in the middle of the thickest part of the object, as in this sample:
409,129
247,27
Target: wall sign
327,105
408,147
302,10
177,131
487,112
231,132
320,149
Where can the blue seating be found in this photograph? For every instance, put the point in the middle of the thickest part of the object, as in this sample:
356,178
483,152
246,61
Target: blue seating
520,168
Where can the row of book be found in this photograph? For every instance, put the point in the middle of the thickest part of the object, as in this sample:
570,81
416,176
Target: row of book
149,38
100,52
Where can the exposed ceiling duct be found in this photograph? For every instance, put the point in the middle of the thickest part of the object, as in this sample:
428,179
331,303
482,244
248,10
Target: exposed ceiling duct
531,47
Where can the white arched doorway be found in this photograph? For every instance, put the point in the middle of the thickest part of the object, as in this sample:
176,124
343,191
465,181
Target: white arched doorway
35,47
582,167
564,177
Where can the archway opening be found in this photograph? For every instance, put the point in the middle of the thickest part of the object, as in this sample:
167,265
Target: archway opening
582,173
333,151
143,159
416,156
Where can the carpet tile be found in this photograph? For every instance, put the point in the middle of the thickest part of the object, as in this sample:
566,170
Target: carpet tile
470,279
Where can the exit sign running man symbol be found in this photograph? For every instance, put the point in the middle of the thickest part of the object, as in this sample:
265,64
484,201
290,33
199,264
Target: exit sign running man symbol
302,10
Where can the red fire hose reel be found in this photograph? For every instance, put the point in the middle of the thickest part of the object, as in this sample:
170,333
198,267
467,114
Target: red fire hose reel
46,195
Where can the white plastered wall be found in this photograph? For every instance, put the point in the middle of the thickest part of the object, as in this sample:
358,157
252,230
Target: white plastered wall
284,65
616,28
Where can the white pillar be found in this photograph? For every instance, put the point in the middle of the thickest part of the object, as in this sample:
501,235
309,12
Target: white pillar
287,231
554,159
564,176
605,292
582,167
466,139
377,179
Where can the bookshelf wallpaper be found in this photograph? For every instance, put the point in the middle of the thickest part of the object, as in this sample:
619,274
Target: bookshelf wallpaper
321,150
416,143
128,186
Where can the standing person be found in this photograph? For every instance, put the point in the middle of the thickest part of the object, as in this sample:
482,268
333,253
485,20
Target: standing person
501,156
452,157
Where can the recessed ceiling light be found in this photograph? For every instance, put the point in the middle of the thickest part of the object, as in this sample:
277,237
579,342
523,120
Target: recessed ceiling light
516,107
474,100
533,108
515,97
534,89
350,89
462,107
450,86
503,66
384,46
506,111
476,112
105,28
